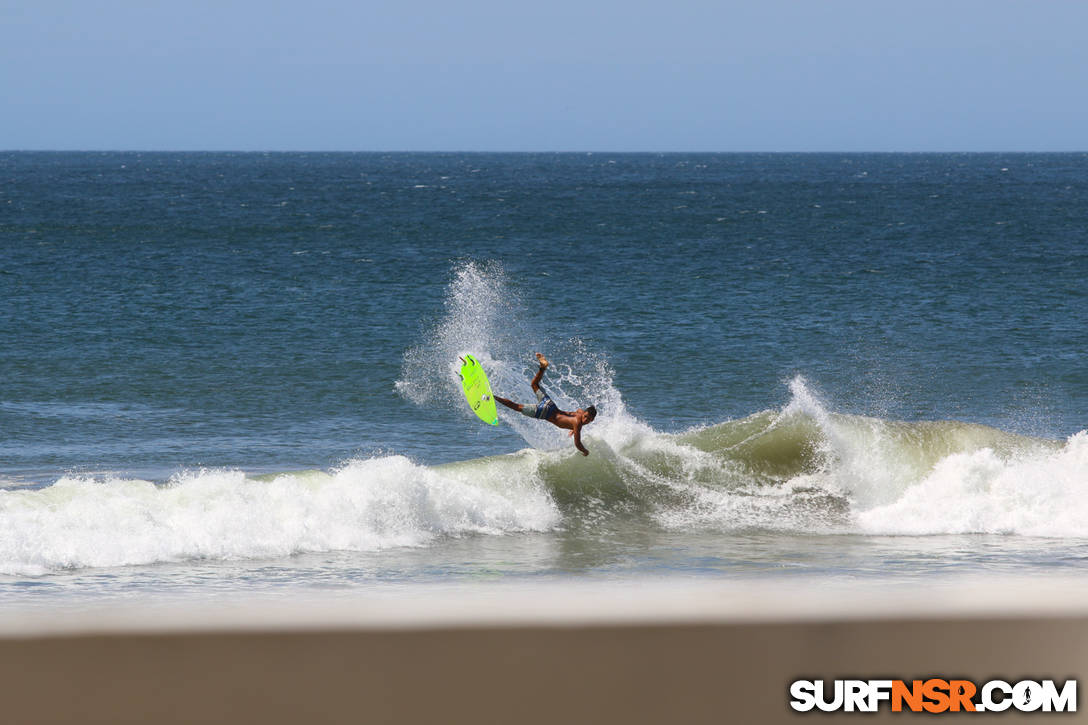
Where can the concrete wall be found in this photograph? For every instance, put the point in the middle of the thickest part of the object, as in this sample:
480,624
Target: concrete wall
665,655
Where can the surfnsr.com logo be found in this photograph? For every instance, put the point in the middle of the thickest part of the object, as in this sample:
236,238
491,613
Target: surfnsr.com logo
934,695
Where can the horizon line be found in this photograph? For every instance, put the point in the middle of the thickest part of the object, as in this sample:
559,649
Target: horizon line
514,152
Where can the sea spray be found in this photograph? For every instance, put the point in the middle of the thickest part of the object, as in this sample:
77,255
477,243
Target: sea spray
485,315
856,456
481,317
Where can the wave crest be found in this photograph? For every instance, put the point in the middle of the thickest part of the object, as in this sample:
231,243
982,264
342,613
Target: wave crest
365,506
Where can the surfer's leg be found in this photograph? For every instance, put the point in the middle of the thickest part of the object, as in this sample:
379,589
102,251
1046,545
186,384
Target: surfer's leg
526,410
509,403
539,373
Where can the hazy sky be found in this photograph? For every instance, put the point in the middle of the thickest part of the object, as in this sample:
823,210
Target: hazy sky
679,75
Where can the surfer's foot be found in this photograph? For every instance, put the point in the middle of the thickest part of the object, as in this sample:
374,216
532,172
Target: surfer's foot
543,361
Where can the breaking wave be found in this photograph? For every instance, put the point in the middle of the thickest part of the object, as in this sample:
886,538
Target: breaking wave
799,469
803,468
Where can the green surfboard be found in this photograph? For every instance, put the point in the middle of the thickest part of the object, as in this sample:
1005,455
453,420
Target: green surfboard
478,390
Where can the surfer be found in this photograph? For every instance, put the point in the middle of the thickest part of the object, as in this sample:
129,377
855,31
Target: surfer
546,409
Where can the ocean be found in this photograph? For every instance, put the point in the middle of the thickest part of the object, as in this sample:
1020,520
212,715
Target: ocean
232,375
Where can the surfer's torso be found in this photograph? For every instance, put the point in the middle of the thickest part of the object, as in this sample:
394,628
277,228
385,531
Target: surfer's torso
563,419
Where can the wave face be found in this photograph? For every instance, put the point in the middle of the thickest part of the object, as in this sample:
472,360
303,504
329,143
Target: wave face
800,470
854,474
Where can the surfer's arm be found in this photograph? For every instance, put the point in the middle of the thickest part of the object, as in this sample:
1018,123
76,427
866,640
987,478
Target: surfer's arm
577,433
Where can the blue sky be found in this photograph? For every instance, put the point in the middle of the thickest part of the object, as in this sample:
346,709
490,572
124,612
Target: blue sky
604,75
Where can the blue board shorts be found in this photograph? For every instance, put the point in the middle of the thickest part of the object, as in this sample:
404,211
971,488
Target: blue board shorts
544,409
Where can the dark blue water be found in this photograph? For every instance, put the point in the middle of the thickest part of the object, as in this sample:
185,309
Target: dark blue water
168,313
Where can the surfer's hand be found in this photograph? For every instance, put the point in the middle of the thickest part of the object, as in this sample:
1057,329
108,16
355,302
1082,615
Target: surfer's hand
585,453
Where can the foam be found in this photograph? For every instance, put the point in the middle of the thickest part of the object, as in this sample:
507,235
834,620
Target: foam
947,477
365,506
805,469
1039,493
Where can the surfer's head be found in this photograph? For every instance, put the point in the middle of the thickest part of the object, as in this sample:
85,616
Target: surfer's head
591,411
